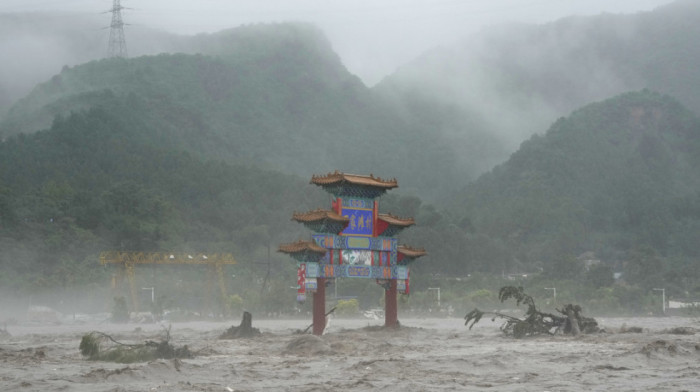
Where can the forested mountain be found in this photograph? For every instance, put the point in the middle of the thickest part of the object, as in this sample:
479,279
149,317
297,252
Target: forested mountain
275,96
619,178
518,78
470,105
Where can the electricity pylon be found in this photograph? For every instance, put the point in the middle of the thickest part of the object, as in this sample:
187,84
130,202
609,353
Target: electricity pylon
117,42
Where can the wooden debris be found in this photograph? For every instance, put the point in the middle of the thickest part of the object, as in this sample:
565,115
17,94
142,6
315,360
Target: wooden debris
309,327
244,330
92,347
536,322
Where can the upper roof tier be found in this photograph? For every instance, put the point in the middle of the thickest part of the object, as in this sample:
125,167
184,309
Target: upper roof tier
319,215
354,185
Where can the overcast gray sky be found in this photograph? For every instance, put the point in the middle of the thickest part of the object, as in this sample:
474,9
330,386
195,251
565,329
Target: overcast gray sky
373,37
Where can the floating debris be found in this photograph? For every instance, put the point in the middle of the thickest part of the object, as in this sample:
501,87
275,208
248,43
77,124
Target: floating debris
91,347
536,322
244,330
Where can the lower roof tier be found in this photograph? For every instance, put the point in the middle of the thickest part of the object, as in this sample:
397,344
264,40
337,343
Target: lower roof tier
303,250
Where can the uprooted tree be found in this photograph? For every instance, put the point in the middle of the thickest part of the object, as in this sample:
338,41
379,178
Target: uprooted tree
99,346
536,322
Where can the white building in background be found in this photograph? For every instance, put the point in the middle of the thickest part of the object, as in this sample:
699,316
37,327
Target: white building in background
683,304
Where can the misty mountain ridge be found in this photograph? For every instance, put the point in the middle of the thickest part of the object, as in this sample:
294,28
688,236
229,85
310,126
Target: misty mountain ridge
612,178
39,44
477,101
262,52
521,77
45,42
278,96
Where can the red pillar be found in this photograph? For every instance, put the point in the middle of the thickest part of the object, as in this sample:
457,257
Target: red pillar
320,307
391,310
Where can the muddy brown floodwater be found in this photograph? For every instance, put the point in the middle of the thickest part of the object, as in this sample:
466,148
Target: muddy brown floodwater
355,355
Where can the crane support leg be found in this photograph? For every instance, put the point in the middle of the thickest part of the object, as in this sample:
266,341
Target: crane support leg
222,285
129,268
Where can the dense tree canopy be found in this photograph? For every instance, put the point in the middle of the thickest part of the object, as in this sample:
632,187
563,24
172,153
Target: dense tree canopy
618,178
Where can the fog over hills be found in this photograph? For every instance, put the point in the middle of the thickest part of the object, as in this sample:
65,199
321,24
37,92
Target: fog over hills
477,101
521,77
276,96
37,45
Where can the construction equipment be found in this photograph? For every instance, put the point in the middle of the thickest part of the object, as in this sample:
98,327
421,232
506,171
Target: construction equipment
214,262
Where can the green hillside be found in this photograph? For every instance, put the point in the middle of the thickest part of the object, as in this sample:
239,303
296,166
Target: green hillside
618,178
274,96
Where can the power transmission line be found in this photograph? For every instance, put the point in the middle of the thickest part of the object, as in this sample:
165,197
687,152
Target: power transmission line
117,42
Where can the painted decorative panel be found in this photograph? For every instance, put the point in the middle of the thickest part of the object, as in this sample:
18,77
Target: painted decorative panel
401,285
311,284
355,271
358,203
354,257
312,270
358,242
361,215
331,241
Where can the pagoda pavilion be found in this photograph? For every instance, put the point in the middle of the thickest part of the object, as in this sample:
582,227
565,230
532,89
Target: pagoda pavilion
352,240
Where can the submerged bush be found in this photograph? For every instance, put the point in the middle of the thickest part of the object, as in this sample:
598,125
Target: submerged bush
91,348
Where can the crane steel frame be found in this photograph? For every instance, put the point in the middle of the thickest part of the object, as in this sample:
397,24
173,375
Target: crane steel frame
215,262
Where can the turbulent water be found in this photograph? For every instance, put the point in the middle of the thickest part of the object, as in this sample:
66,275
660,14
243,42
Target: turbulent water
354,355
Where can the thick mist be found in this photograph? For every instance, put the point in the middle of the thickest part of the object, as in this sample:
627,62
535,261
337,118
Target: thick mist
37,45
518,79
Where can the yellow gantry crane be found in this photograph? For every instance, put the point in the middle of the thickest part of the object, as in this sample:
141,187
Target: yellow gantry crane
214,262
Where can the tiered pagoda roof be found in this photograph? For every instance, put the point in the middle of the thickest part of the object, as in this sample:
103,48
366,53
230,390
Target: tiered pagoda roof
390,225
322,221
407,254
346,186
303,250
354,185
